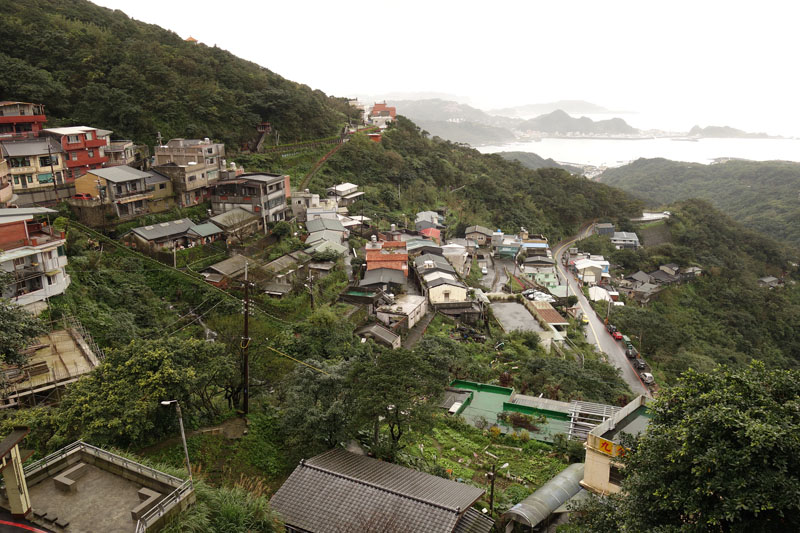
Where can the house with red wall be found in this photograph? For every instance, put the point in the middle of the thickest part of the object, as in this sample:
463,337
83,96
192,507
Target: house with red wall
20,120
84,148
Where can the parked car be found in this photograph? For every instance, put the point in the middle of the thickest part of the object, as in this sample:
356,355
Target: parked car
82,196
647,378
585,319
617,336
611,328
639,363
630,353
484,270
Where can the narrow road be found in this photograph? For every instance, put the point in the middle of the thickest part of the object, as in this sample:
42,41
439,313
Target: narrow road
596,333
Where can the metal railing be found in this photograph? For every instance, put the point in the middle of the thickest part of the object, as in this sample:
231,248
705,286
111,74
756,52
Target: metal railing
70,322
59,455
164,506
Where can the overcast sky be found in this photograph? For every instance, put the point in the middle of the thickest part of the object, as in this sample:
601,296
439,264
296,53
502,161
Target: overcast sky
700,61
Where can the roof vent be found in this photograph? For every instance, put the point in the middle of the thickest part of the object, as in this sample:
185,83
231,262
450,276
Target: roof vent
164,224
148,227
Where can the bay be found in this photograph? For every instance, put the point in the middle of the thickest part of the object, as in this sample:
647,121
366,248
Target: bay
599,152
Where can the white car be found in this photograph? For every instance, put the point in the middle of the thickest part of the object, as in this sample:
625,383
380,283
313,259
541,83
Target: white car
647,377
484,271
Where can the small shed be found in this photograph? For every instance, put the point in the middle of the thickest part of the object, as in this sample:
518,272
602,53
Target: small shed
380,334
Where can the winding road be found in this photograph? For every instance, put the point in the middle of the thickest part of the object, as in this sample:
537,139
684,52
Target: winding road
596,332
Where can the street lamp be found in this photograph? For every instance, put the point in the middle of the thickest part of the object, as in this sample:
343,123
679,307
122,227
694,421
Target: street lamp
491,476
167,403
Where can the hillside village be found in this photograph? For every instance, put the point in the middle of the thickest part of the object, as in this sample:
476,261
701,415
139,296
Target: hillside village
340,362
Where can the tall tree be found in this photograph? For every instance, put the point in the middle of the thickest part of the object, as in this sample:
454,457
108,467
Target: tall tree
394,391
721,453
18,330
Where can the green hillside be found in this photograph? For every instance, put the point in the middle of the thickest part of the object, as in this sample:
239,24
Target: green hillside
722,317
534,161
474,188
91,65
759,195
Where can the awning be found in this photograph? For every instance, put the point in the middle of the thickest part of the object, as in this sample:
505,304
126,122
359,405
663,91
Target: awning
135,198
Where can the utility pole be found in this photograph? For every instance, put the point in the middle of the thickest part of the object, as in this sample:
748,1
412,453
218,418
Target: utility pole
245,345
491,497
52,171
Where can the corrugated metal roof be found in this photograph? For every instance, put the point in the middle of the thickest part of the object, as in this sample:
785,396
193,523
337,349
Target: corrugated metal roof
29,147
324,235
341,491
16,211
382,275
539,505
205,230
549,314
119,173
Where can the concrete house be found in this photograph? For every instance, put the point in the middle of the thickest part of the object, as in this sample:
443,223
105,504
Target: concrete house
33,255
404,312
605,228
193,165
625,239
123,189
344,194
603,472
34,163
479,234
261,194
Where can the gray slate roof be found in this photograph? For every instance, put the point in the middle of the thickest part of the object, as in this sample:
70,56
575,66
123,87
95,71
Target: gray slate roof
235,217
641,277
233,266
438,262
383,275
119,174
342,491
474,522
205,230
164,229
478,229
378,332
324,235
319,224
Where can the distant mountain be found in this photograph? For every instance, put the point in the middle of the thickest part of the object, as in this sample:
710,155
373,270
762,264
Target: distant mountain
457,122
725,132
533,161
560,122
447,110
761,195
472,133
577,107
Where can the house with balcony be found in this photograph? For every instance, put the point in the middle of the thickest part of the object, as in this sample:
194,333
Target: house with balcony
125,152
32,254
307,206
83,146
345,194
33,164
123,189
21,120
261,194
6,189
193,165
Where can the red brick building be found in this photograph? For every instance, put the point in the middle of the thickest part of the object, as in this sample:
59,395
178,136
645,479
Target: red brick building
84,148
19,120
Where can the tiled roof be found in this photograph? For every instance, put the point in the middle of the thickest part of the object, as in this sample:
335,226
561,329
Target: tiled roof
549,314
319,224
119,174
341,491
382,275
479,229
474,522
164,229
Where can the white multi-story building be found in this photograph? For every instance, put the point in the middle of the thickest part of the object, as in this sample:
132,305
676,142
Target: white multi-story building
32,255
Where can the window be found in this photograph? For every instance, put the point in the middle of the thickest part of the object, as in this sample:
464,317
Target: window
45,178
74,156
46,161
616,475
210,150
88,135
162,186
91,153
192,178
19,162
16,180
446,295
72,139
29,178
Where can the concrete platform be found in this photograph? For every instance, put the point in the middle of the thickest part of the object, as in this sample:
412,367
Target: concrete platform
102,503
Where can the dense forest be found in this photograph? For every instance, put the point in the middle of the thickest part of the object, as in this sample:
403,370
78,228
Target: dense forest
759,195
722,317
408,172
535,161
91,65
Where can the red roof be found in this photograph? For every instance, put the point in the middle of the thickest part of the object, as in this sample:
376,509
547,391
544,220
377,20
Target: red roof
393,265
394,244
383,107
433,233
